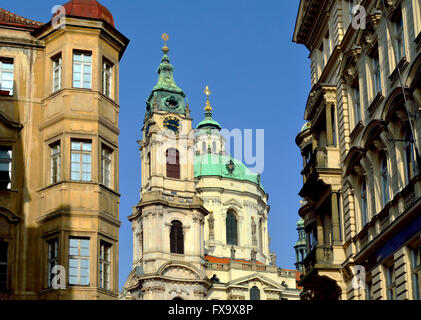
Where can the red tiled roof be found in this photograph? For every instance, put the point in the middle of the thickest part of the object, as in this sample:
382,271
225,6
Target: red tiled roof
11,19
88,9
298,278
227,260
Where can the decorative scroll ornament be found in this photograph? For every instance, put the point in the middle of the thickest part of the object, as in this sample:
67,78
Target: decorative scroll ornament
230,167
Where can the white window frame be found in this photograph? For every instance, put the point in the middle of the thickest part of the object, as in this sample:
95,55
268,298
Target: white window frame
106,160
84,152
105,265
80,256
7,162
107,78
85,61
52,259
5,73
57,71
55,162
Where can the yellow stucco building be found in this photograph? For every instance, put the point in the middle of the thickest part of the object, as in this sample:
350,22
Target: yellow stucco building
360,148
59,192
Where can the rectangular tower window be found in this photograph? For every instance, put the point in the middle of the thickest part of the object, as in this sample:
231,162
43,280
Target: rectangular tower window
4,246
107,78
82,70
81,166
79,261
6,75
5,168
106,166
105,265
52,259
55,162
57,67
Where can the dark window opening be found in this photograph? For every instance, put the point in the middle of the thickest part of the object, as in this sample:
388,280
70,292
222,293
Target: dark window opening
173,164
231,222
177,237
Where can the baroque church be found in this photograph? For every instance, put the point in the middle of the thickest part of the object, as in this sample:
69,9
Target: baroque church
200,229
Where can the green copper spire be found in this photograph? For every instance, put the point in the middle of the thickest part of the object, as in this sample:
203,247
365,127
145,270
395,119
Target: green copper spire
208,123
166,78
166,95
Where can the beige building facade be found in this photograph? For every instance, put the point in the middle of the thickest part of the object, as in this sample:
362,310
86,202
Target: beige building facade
360,148
59,192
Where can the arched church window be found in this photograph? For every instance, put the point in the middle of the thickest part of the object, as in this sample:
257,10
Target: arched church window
384,179
214,147
173,163
254,293
410,163
177,237
231,225
364,209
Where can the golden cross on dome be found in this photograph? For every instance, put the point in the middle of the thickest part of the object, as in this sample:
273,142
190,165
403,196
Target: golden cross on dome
165,37
208,93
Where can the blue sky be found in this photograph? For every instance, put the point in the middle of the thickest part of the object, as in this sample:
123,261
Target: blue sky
259,79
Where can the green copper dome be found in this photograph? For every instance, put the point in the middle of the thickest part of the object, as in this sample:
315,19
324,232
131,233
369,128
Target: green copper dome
305,127
166,95
300,223
223,166
209,123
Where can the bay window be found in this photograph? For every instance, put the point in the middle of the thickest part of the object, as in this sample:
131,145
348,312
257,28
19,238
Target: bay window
79,261
81,164
82,70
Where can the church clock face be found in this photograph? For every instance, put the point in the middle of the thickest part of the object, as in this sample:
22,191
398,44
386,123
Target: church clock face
172,124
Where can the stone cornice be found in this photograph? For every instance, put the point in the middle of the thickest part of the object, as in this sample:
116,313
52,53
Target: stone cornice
10,123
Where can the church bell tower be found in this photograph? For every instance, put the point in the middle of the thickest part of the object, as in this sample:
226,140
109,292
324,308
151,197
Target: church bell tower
168,222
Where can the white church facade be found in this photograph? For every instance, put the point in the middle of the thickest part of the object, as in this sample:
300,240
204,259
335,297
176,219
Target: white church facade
200,230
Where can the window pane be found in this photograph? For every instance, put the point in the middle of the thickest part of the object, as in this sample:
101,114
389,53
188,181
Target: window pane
77,57
86,69
7,65
87,146
7,76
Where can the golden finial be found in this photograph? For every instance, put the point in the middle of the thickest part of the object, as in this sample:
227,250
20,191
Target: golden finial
208,93
165,37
